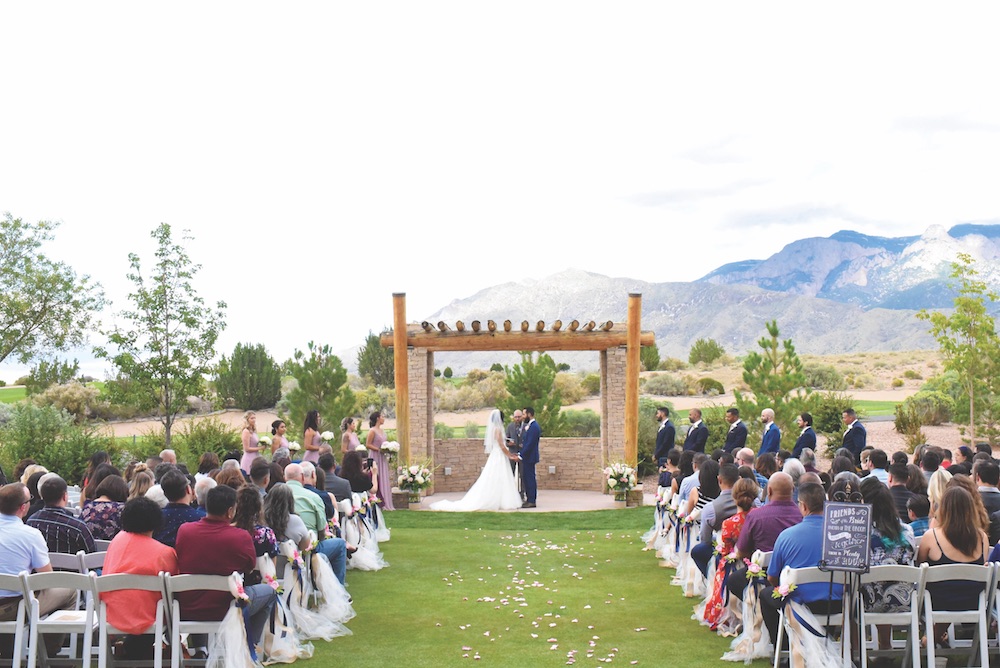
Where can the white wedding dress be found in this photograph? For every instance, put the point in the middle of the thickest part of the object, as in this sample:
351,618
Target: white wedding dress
496,488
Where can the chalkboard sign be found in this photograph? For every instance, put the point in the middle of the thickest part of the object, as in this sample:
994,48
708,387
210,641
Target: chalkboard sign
847,537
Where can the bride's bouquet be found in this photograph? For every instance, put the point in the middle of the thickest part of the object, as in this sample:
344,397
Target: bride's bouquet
415,477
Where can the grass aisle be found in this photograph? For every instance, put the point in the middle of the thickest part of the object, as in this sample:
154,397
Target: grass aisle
521,589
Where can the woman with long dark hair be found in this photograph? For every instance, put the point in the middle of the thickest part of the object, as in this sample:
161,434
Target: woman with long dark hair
311,440
374,441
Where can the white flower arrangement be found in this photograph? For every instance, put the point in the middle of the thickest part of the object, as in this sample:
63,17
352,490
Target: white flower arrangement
415,477
294,446
391,446
327,436
360,447
620,477
265,439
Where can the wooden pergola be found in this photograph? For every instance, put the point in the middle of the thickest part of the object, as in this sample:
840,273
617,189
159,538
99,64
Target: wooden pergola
477,336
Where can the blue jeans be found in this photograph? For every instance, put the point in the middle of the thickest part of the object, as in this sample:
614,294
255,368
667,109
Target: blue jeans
257,612
335,551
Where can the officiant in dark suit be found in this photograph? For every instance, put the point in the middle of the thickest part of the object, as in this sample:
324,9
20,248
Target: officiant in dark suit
531,433
697,435
666,435
736,437
514,436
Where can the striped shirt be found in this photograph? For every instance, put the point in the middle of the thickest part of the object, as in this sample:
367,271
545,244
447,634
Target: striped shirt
63,531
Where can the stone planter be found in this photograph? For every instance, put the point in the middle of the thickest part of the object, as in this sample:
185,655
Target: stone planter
634,497
400,500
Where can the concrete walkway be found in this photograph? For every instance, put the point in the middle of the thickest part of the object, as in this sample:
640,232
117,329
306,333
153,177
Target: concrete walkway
552,501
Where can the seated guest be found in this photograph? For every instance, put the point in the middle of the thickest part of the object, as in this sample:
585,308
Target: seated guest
877,463
36,502
841,464
800,546
808,459
232,476
178,510
276,475
250,518
980,517
94,479
260,475
987,476
899,475
917,510
201,491
964,455
764,524
208,462
25,549
930,463
212,546
945,458
917,482
309,482
142,480
310,508
340,488
899,457
360,478
714,514
936,486
953,540
892,543
135,551
744,494
103,514
279,514
63,531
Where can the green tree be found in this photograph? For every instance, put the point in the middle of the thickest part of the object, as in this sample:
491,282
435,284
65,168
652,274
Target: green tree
533,383
376,362
44,305
776,378
448,372
321,385
46,373
705,350
968,340
650,357
251,378
167,345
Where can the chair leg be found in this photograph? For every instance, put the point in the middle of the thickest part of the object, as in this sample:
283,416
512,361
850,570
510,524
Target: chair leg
781,635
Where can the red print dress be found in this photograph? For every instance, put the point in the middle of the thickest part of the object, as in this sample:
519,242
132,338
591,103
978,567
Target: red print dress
731,529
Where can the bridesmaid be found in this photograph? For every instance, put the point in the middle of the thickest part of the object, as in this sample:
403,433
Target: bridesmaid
251,447
311,440
279,444
349,442
376,437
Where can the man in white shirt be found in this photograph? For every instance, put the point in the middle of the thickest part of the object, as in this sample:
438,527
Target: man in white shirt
878,463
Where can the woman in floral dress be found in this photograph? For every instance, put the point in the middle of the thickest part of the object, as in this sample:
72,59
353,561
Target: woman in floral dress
745,493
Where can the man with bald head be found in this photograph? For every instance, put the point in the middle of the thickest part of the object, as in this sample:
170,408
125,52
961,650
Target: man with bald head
310,508
771,440
764,524
697,435
746,457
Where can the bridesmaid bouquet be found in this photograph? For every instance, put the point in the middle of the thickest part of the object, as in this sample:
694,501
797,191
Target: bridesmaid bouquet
326,436
265,439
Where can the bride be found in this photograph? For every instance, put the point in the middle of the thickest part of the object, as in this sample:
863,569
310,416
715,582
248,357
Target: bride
496,488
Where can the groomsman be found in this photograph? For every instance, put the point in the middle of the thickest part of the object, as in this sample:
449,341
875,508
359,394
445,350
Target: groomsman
697,435
771,441
666,435
736,437
855,436
807,439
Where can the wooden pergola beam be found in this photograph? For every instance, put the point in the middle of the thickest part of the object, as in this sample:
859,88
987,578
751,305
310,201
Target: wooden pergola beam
516,340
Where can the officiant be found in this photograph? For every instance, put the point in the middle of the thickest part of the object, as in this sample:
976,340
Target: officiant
514,435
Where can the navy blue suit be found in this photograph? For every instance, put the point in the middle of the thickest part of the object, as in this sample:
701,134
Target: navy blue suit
696,438
736,438
771,442
854,440
529,457
806,440
665,439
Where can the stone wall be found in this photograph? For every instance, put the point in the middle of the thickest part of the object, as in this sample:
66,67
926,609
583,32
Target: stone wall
578,464
613,404
421,373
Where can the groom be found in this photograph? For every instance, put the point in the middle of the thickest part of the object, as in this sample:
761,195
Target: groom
529,456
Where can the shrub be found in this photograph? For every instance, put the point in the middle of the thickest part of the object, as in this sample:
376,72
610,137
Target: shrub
585,423
591,384
710,386
912,374
249,380
647,434
475,376
50,373
70,454
897,382
562,366
497,367
824,377
930,408
471,429
441,430
437,373
672,364
705,350
908,424
827,409
197,437
374,398
448,373
78,400
666,385
570,386
649,356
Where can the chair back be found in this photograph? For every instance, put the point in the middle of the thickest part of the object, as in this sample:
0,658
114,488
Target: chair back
60,621
175,584
62,561
101,545
91,561
129,582
17,626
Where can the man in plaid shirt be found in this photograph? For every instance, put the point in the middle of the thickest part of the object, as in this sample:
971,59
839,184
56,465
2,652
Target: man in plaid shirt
62,530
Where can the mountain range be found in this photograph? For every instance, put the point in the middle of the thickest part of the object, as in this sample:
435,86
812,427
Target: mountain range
848,292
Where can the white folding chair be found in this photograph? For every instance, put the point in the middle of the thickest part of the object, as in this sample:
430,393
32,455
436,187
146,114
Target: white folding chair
59,621
125,582
174,584
62,561
910,618
978,615
799,577
18,625
90,561
101,545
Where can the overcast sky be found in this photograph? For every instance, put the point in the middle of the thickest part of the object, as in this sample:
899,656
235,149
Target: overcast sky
325,155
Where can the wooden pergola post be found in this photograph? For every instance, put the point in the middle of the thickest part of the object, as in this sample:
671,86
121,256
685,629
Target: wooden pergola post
401,374
632,346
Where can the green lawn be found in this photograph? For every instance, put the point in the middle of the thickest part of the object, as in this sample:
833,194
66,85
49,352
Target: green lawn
10,395
520,589
875,408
